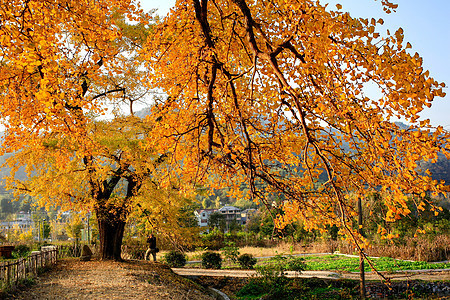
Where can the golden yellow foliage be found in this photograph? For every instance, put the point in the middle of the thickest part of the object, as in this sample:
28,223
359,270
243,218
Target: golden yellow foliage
62,63
272,93
51,52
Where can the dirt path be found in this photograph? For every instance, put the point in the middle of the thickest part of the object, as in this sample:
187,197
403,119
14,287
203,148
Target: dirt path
74,279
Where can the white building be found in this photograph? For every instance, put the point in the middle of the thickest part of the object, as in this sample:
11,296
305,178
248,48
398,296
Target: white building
23,221
231,213
202,216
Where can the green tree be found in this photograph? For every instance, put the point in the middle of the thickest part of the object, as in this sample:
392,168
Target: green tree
46,229
6,204
74,226
216,220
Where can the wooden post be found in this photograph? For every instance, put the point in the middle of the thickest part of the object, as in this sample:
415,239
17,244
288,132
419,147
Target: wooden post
362,289
7,275
35,258
16,275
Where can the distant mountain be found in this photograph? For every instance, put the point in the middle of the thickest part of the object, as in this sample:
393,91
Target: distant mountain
439,170
143,112
5,172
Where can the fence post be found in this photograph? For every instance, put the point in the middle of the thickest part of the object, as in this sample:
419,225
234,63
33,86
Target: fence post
16,273
8,271
2,275
35,264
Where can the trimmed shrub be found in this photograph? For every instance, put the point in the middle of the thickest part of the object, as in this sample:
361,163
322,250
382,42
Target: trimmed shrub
175,259
246,261
211,260
288,263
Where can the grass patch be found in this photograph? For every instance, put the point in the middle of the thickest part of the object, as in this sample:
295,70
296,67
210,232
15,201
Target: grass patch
351,264
346,264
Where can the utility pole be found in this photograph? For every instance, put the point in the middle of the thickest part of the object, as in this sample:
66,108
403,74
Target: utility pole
39,230
362,282
88,229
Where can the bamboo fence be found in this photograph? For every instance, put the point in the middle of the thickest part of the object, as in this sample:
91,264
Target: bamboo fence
14,271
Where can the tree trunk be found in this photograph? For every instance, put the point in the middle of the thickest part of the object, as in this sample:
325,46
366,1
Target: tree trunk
110,227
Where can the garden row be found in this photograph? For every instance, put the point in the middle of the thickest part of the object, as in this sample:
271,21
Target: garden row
231,259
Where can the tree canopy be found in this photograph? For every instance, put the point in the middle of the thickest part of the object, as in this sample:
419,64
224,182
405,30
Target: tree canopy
272,93
276,92
64,64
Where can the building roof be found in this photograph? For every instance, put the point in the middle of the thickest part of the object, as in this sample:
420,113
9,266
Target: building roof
206,209
227,208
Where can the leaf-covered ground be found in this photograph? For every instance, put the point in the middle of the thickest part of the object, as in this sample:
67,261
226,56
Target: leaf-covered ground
74,279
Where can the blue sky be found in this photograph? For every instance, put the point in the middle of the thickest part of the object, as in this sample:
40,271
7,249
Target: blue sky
426,26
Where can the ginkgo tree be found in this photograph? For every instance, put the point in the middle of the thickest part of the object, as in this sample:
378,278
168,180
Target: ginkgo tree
51,54
63,63
275,92
270,92
118,180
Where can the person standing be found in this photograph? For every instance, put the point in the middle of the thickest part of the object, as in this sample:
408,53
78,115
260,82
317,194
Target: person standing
151,241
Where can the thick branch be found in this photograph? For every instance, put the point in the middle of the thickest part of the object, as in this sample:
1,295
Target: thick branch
108,92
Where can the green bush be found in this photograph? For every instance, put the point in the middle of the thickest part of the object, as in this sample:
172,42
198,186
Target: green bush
273,271
247,261
21,251
288,263
213,240
231,252
254,288
270,272
175,259
211,260
295,264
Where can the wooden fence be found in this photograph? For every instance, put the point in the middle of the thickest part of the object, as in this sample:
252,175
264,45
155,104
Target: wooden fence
12,272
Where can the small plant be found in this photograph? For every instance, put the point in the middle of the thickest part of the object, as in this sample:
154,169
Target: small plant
295,264
231,252
270,272
197,254
21,251
288,263
211,260
273,271
253,288
175,259
246,261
